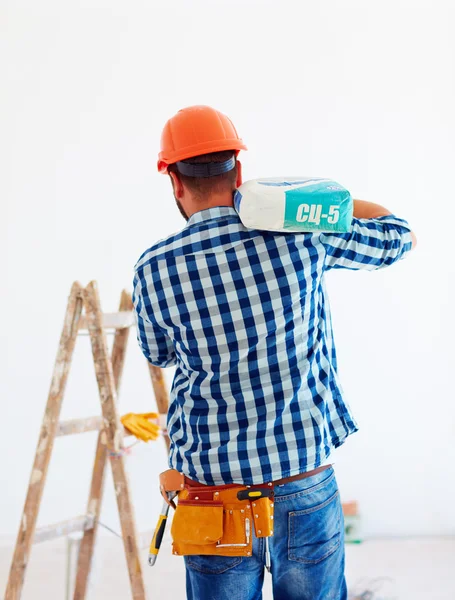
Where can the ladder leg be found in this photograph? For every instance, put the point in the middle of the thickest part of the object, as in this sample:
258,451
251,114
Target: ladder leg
85,556
114,438
45,445
84,560
129,533
161,394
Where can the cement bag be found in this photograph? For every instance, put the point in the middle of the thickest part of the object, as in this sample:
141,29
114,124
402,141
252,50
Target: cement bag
294,204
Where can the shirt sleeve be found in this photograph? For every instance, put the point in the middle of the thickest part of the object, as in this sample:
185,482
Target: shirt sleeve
153,340
370,244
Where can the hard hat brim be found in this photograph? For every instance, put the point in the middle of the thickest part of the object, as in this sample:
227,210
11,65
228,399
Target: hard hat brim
168,158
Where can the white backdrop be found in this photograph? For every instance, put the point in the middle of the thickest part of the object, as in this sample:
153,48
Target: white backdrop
362,92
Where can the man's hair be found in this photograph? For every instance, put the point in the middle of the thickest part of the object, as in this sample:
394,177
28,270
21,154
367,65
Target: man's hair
205,186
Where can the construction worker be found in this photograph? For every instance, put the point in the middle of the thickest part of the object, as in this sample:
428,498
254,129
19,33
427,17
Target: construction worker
243,315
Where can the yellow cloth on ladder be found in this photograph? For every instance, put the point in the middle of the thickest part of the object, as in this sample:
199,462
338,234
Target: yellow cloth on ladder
142,425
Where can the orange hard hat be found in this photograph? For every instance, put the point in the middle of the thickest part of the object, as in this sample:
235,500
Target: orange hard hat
194,131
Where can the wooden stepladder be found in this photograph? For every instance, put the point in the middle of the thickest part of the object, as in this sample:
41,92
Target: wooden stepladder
110,442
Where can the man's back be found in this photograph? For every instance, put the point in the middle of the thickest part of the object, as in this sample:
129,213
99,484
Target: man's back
244,316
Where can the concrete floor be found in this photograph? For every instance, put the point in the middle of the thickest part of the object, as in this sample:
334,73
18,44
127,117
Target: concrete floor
417,569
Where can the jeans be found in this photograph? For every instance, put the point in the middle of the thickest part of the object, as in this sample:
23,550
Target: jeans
307,551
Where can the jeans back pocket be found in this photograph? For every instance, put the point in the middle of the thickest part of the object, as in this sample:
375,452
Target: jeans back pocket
214,565
315,533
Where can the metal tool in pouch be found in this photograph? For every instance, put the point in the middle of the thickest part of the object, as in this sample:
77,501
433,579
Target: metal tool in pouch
294,204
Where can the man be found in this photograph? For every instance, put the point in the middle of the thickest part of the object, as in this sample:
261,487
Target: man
256,398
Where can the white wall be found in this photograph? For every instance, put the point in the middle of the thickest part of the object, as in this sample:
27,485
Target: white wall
359,91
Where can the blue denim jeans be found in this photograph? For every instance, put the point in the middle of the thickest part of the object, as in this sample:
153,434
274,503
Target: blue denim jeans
307,551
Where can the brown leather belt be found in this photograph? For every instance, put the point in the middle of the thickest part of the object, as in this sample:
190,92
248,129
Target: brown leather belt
301,475
192,483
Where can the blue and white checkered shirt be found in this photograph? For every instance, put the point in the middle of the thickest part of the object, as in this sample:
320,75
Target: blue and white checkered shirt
244,316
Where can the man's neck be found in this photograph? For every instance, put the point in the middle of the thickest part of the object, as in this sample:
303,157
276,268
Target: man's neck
214,201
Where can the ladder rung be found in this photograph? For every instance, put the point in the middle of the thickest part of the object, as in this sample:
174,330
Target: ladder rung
50,532
118,320
72,426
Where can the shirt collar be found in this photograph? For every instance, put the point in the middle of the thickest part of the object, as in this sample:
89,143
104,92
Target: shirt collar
212,213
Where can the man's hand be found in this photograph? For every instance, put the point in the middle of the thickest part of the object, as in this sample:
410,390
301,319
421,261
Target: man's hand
369,210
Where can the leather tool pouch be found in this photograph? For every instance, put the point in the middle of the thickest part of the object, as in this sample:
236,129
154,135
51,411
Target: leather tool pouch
212,522
262,517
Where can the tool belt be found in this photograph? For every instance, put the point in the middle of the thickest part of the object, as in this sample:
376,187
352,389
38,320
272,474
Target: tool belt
217,520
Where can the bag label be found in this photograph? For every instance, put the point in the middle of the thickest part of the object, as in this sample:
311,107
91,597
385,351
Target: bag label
319,207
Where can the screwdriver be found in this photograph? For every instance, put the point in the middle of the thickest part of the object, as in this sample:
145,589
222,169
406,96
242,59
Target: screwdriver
255,494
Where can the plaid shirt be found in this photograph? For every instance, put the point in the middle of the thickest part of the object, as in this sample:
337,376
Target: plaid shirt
244,316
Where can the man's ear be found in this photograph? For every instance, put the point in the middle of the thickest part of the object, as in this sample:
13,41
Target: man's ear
177,185
239,179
